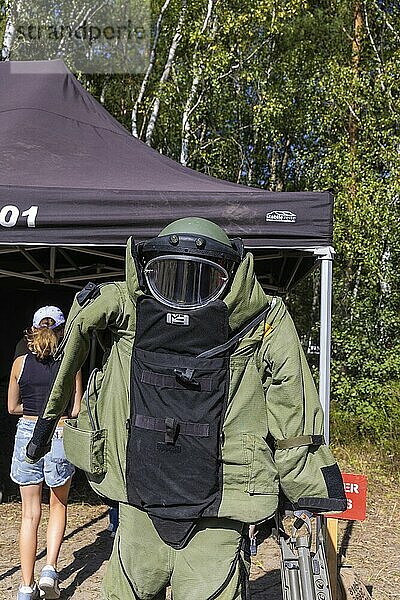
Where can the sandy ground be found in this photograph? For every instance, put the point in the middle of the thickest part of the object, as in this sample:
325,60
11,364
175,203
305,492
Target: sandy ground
371,547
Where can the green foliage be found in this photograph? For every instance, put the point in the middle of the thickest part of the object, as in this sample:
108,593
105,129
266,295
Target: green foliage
367,407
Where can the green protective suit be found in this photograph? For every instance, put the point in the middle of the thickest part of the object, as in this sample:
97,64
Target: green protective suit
272,424
271,393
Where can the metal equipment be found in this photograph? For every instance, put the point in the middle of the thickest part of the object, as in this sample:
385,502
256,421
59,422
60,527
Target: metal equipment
304,570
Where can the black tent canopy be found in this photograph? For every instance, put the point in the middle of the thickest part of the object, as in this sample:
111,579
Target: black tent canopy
72,176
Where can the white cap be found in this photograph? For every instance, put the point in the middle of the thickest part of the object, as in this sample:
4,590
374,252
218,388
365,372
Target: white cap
52,312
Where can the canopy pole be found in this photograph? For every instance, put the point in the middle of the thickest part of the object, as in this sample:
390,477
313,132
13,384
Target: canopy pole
329,525
325,336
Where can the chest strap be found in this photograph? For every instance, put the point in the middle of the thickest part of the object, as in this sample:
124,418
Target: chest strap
171,427
239,335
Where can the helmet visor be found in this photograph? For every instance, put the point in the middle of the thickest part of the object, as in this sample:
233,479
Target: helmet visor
185,281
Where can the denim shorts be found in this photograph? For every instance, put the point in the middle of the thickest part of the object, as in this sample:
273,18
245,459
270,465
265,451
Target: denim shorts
53,468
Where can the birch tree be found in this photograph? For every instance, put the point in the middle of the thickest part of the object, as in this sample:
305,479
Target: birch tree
166,72
8,10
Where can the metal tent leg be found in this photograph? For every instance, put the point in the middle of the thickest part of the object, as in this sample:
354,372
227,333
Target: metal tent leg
325,527
304,573
325,338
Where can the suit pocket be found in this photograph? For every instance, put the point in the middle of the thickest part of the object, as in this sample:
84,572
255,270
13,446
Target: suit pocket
262,475
86,449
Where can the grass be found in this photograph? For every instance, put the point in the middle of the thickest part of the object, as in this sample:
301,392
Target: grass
381,466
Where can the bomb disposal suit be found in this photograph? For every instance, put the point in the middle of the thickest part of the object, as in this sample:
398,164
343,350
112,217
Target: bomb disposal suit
204,409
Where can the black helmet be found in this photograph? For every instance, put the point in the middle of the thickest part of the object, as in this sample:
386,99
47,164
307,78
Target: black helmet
190,263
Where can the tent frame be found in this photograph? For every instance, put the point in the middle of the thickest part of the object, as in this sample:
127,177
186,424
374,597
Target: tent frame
325,333
110,265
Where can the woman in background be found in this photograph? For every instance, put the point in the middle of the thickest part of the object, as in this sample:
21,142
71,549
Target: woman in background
30,380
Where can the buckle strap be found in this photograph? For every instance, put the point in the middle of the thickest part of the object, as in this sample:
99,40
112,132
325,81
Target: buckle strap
171,427
176,381
301,440
171,430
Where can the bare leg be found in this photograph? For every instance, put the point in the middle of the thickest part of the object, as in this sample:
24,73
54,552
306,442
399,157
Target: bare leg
31,513
57,521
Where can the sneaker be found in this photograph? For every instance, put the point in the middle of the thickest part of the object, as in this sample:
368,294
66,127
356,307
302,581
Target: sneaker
48,583
27,592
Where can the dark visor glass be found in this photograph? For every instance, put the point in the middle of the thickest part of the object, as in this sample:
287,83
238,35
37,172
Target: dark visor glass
185,281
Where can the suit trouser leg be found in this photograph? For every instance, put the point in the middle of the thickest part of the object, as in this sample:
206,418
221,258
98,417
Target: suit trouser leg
212,565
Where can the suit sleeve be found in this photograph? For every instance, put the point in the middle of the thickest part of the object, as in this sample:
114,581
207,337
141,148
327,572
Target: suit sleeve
309,475
95,315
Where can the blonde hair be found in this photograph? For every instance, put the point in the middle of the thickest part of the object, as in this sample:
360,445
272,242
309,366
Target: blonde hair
43,341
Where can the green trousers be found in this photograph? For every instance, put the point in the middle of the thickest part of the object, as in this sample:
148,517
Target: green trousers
212,565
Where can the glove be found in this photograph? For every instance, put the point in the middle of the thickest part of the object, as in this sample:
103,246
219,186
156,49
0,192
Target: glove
34,452
320,505
40,442
314,505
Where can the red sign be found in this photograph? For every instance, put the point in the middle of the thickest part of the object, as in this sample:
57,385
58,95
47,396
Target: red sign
355,487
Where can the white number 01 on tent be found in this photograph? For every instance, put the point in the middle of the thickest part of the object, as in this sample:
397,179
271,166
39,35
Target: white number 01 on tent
10,215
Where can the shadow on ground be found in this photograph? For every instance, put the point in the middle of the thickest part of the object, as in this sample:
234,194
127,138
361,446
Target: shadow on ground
267,586
83,552
87,561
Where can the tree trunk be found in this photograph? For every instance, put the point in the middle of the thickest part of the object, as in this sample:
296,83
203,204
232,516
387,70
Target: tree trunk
274,167
284,162
355,62
149,70
9,32
191,104
167,69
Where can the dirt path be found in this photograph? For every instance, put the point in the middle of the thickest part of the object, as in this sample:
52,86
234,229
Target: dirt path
372,547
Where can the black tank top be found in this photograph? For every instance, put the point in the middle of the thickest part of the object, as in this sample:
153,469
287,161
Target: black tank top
34,383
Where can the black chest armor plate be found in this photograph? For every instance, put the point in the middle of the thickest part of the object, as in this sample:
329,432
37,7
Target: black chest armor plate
178,401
